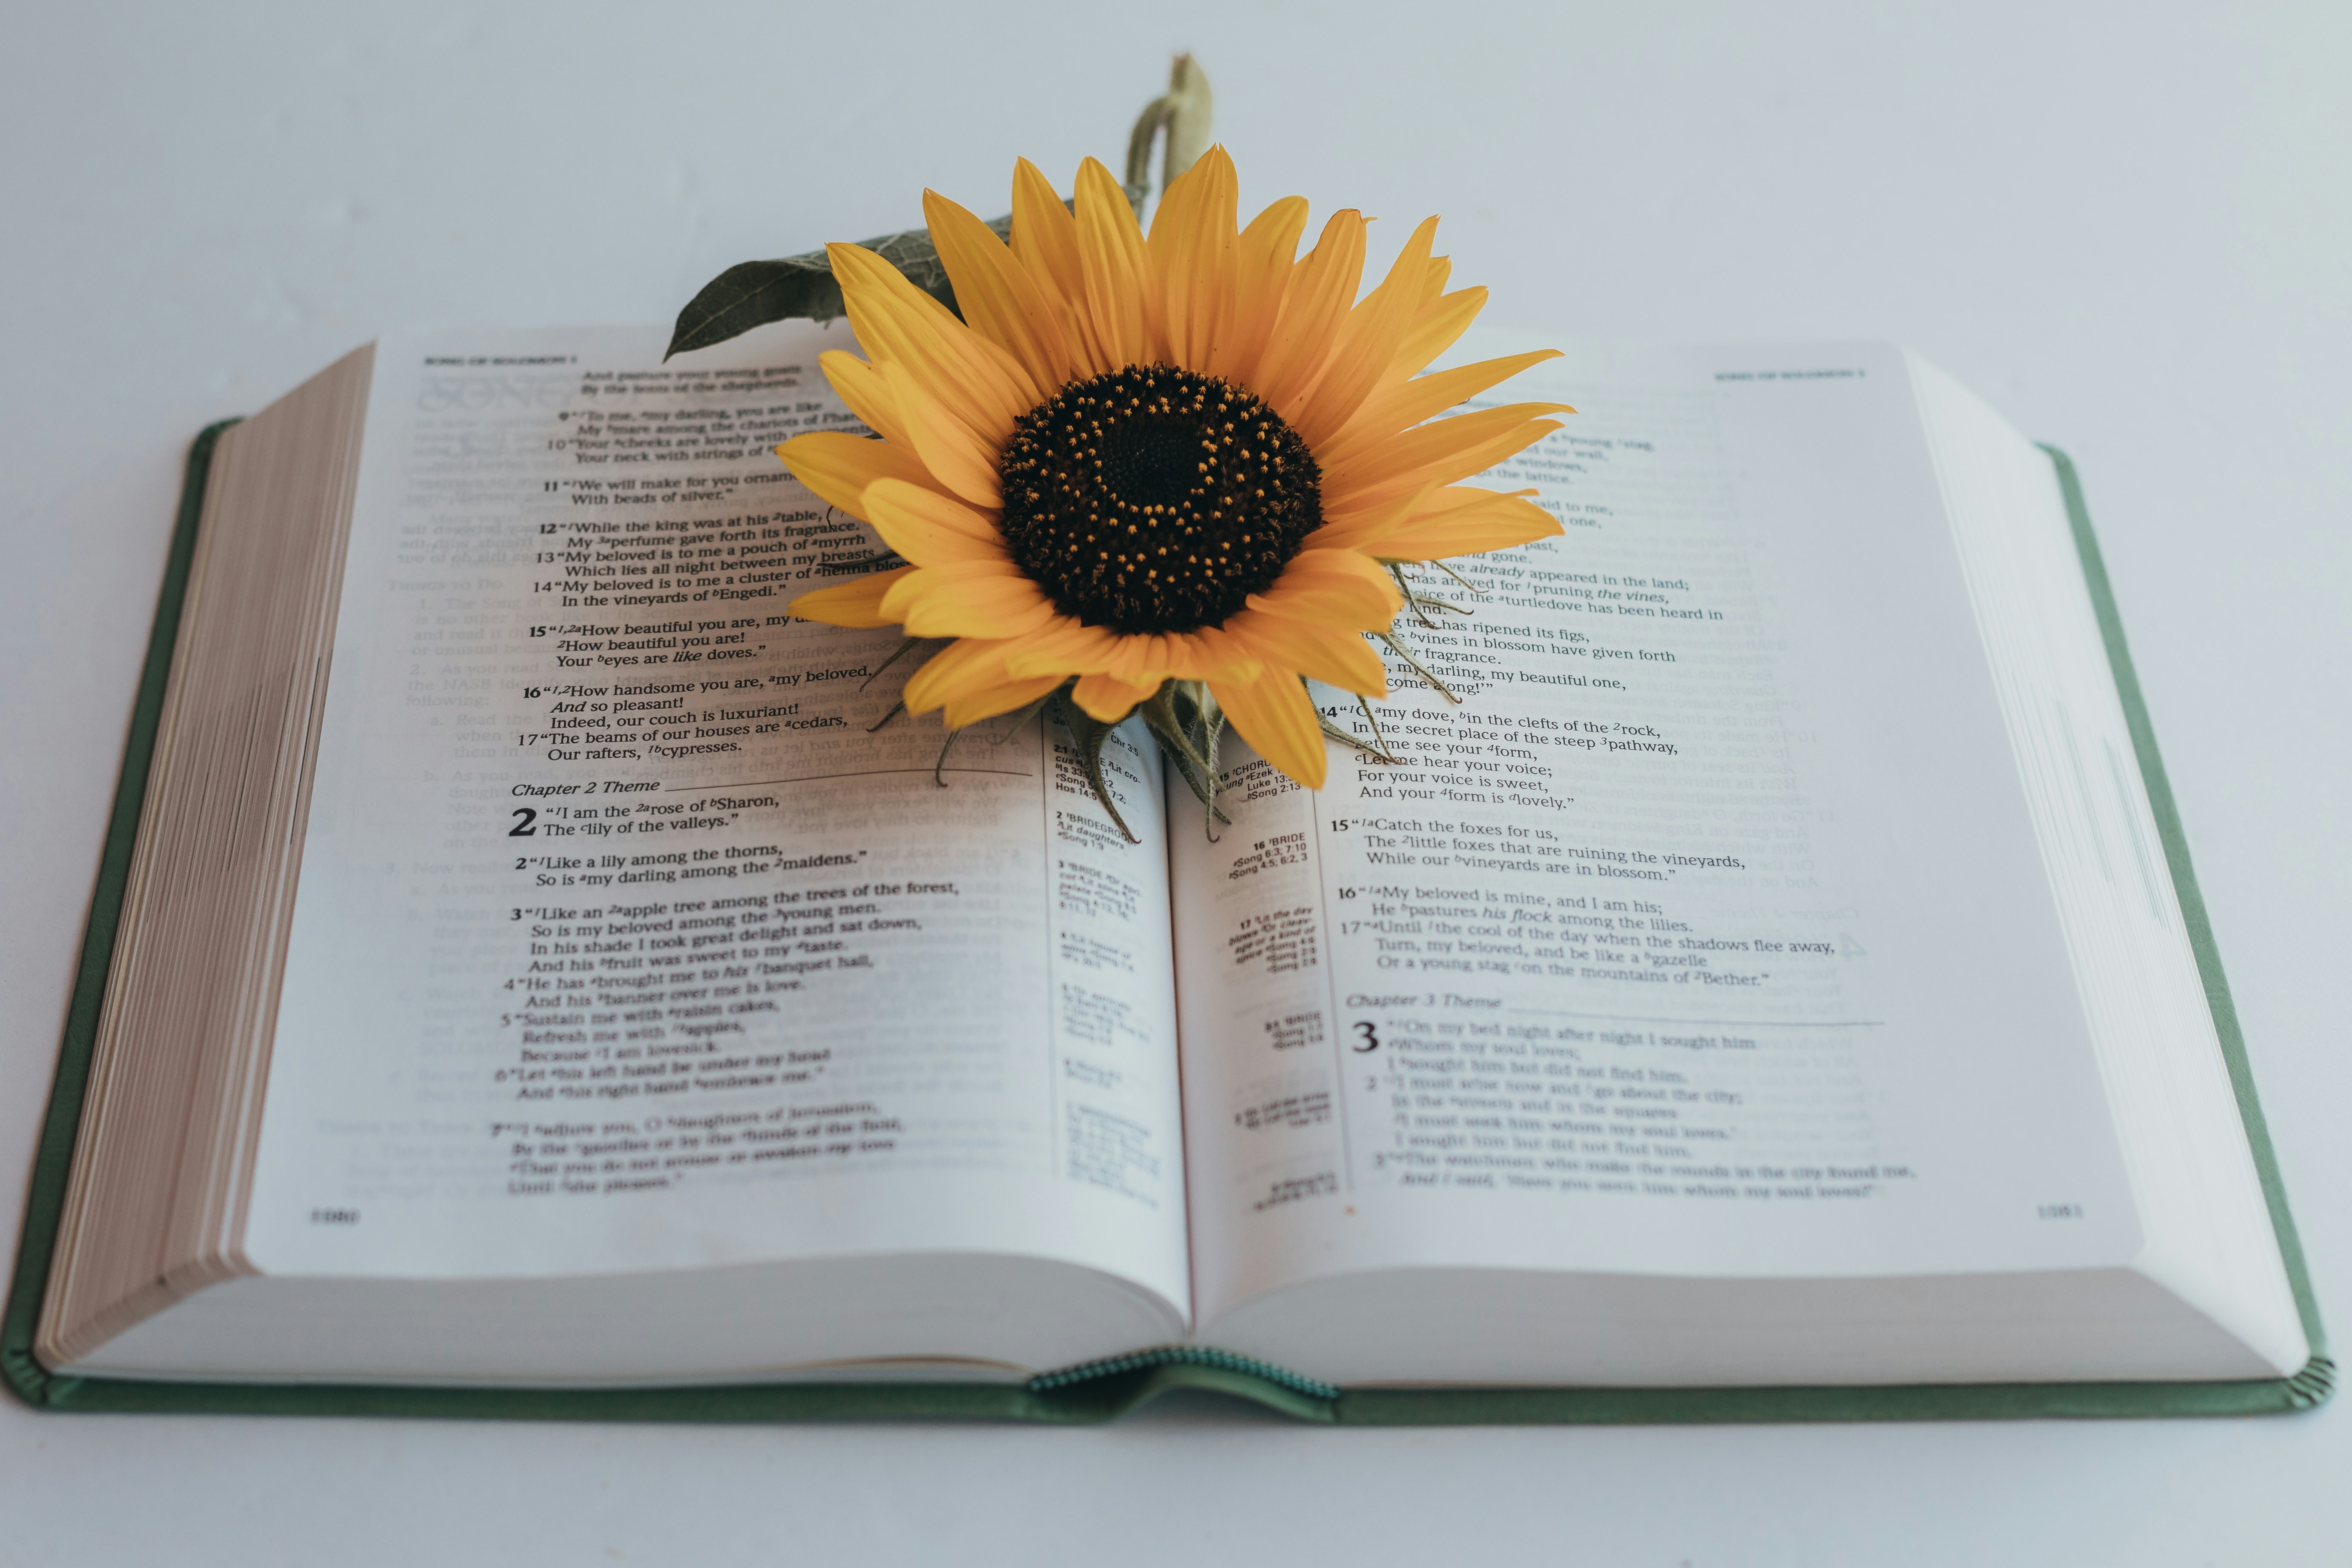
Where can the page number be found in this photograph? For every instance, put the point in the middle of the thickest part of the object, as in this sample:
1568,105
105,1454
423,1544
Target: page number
2058,1211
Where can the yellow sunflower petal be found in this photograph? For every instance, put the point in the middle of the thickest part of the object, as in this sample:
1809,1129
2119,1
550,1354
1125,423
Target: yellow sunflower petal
998,297
1368,530
1407,404
1069,648
1143,656
1275,717
1264,256
861,386
1046,241
1180,655
1435,329
1332,587
1112,261
927,528
1433,277
1321,288
972,379
1427,513
1476,461
1213,654
1193,251
965,665
1439,452
1356,529
967,678
1366,341
958,458
837,467
857,603
997,699
1111,698
970,599
937,510
1064,646
1135,655
1491,521
1341,658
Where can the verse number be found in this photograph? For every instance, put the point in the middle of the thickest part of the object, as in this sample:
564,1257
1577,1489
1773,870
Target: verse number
1371,1040
524,816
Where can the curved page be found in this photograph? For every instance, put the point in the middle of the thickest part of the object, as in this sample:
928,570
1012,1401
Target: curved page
624,942
1706,935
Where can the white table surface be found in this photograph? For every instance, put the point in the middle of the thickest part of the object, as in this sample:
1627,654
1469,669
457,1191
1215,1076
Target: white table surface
2128,224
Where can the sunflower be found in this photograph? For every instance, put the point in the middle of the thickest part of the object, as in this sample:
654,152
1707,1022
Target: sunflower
1180,472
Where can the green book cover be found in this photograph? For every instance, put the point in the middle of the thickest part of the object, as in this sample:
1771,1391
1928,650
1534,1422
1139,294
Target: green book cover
1101,1390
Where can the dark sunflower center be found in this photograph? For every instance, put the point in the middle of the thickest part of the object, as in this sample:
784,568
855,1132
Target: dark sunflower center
1156,500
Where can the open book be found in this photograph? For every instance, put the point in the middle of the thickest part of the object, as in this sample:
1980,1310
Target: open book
532,960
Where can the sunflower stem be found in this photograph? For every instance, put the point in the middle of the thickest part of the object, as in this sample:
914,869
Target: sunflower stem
1138,183
1403,653
889,713
1185,112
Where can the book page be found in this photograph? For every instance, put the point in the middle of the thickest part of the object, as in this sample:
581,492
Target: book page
1705,934
625,940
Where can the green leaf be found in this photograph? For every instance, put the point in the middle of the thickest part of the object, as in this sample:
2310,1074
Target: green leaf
753,293
1176,716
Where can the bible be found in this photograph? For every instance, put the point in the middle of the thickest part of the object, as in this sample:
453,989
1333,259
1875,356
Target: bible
1748,968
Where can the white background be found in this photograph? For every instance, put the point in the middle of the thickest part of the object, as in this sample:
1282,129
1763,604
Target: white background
2129,225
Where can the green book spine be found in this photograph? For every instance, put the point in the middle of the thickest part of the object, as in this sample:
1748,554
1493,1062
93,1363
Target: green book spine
1102,1390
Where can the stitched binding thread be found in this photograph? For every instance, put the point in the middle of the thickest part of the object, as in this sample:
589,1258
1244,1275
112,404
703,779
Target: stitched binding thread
2314,1383
1180,1355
